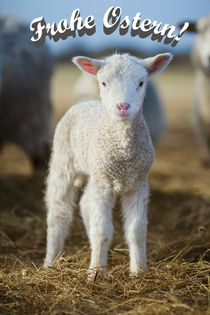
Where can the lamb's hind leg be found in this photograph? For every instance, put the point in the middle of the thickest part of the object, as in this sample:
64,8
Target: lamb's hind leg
96,206
60,196
134,207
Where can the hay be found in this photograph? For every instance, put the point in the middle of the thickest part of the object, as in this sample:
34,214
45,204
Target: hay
177,280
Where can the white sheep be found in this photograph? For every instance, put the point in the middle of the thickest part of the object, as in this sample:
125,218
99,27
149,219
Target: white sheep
107,145
86,88
201,62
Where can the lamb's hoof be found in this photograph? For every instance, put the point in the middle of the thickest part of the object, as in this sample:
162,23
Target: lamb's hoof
46,265
94,273
136,274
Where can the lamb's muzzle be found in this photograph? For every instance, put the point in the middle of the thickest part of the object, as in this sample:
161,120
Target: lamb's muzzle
123,109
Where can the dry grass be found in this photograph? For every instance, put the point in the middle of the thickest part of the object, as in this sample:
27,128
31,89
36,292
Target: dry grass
177,281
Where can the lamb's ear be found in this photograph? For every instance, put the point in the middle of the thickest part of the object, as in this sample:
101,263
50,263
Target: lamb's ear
192,28
157,64
88,65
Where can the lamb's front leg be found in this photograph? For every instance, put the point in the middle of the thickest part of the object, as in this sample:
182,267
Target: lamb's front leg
96,210
134,207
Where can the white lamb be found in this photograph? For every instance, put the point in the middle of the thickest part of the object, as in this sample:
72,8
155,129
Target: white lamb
201,62
107,145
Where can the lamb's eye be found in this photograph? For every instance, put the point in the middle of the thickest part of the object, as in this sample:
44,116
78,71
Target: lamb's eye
141,83
104,84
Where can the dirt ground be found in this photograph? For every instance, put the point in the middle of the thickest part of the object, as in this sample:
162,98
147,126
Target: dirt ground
177,281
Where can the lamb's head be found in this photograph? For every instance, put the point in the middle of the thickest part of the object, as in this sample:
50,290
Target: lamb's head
122,80
201,53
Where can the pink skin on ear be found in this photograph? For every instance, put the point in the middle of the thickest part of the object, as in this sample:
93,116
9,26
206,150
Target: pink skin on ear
159,62
88,66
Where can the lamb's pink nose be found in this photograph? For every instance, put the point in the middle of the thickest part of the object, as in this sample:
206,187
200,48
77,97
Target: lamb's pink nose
123,106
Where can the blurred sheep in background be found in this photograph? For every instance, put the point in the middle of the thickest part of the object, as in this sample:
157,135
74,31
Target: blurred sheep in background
86,88
25,105
201,62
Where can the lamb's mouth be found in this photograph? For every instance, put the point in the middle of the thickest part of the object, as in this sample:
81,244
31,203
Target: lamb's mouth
123,113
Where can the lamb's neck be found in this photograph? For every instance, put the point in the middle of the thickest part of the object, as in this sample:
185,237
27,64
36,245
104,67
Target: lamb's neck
127,124
122,133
